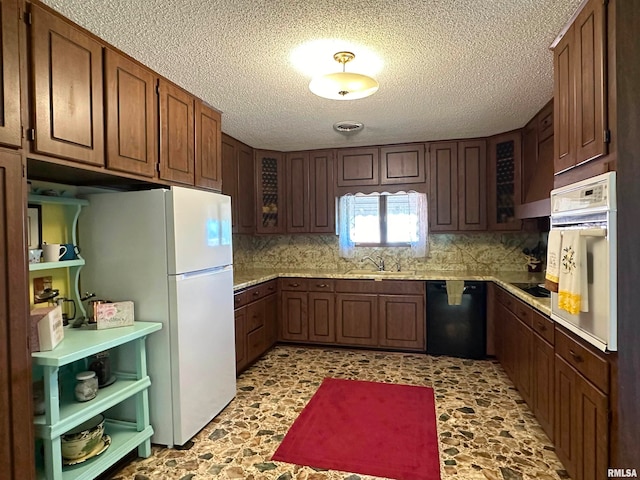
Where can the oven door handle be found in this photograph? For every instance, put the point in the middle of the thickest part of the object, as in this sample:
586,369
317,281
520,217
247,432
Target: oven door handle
591,232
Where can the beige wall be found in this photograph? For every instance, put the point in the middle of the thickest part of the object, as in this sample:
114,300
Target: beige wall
485,252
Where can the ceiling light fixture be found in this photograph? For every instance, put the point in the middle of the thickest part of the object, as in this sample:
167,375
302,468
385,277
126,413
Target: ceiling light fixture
343,85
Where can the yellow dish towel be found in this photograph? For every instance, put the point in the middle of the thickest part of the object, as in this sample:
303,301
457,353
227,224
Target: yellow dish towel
455,288
572,284
552,275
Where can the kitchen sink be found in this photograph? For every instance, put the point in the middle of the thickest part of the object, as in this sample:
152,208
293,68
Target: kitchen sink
535,289
385,273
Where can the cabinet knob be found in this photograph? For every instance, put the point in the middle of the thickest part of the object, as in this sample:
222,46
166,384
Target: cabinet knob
541,327
256,293
575,356
294,284
322,285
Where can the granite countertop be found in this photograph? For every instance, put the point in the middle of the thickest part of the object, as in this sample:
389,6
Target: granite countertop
247,278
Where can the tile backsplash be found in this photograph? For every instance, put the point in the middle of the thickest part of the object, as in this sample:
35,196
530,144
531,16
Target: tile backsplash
482,252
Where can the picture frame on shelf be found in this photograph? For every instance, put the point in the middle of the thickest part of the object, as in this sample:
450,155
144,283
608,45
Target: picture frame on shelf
34,225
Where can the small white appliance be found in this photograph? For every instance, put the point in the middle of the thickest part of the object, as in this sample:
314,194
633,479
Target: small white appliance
590,207
170,252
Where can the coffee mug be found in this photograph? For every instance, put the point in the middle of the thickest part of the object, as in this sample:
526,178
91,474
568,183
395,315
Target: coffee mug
52,251
71,253
34,255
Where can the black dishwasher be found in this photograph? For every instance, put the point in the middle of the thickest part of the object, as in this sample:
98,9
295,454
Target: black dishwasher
457,330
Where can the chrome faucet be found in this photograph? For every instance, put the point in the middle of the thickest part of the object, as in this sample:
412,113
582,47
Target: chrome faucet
379,264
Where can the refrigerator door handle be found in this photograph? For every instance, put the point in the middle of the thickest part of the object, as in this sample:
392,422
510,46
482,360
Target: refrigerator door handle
204,273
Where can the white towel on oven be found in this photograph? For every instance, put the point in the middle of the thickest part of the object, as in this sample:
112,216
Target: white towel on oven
554,244
573,293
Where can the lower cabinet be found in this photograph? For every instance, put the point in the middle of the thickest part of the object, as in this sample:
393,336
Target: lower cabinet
256,320
307,310
565,382
387,314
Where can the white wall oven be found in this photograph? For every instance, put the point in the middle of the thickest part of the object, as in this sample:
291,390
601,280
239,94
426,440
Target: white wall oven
590,207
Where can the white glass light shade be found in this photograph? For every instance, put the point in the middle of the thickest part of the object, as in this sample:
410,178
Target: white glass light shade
343,86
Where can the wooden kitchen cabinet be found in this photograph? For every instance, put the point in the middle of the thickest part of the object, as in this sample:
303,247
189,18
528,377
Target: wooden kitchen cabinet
310,191
67,79
504,181
542,401
10,123
403,164
357,319
580,89
358,167
131,116
402,321
255,322
208,147
537,157
307,310
177,138
270,192
238,183
457,199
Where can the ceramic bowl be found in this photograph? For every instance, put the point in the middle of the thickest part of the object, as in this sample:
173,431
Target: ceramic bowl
83,439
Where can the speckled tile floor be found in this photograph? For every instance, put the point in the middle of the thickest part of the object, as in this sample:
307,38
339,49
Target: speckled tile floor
486,430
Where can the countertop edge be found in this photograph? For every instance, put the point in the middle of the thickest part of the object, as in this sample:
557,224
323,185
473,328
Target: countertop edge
505,280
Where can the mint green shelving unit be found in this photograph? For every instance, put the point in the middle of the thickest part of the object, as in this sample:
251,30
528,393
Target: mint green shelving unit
62,413
73,206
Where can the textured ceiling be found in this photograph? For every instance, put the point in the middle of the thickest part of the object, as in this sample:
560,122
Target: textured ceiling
450,68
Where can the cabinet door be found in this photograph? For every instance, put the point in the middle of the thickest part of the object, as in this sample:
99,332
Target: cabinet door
529,156
297,175
504,181
271,319
358,166
592,422
322,317
523,341
401,164
229,161
357,319
255,315
270,192
294,316
131,116
208,148
10,125
402,321
565,428
542,383
589,70
245,198
443,196
564,103
241,338
67,90
16,415
176,134
322,191
256,341
472,185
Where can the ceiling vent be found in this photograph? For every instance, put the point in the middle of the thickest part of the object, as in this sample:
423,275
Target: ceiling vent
348,127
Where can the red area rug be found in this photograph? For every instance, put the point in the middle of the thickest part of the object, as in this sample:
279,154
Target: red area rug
379,429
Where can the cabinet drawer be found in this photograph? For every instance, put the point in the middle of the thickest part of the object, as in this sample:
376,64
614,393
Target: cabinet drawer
240,299
259,291
591,365
356,286
320,285
255,316
505,299
400,287
294,284
255,343
543,326
523,311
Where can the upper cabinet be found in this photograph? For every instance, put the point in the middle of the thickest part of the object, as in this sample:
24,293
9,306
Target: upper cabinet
10,126
238,176
270,192
310,191
457,197
66,66
131,115
537,158
177,138
504,181
580,89
208,160
391,168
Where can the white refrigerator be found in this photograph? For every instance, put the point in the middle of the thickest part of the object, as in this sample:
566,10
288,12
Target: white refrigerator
170,252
